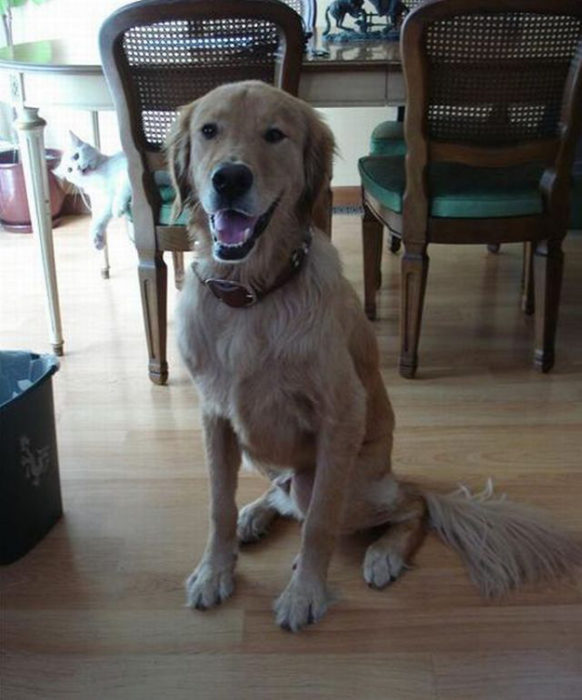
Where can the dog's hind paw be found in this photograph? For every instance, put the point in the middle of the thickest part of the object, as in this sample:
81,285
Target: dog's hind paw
208,586
253,522
301,604
381,566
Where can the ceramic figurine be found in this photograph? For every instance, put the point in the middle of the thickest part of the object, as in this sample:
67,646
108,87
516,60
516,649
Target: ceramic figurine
365,28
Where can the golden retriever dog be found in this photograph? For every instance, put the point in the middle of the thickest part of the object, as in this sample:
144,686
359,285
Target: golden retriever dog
287,368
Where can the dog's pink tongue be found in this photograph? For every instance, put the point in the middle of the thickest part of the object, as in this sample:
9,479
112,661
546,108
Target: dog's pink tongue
233,227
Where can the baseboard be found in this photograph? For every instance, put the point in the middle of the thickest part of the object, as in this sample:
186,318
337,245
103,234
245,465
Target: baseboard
347,196
342,197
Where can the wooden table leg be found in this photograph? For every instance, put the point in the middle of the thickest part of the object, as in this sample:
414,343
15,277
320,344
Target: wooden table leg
30,127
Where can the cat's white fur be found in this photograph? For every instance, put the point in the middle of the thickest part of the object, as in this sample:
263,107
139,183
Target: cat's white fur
103,178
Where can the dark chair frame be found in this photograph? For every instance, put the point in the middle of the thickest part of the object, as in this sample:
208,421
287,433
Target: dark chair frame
308,12
417,228
151,239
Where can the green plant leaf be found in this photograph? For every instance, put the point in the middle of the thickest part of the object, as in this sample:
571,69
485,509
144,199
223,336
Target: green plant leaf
5,5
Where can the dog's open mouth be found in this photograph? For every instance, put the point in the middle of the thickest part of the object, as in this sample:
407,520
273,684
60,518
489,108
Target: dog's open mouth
235,233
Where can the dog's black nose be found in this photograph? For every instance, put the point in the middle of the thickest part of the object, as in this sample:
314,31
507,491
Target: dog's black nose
232,179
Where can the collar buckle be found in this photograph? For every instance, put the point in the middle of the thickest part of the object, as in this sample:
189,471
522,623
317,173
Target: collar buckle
232,293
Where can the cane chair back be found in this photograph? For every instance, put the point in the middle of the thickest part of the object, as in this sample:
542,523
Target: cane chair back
158,55
493,114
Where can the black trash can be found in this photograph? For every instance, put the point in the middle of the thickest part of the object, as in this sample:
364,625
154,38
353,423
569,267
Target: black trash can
30,491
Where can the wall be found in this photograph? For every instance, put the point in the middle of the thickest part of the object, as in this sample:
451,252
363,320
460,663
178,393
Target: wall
79,20
352,128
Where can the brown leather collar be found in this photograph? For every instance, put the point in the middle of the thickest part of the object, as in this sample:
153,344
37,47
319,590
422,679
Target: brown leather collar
241,296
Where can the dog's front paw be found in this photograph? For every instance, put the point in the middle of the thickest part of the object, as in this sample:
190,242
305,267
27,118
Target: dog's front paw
382,566
301,603
209,585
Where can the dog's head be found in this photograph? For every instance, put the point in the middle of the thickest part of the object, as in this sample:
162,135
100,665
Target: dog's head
251,155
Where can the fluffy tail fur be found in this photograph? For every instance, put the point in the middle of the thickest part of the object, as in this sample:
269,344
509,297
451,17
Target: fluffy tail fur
503,544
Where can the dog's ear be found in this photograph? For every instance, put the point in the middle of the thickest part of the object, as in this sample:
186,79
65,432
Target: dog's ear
317,160
178,150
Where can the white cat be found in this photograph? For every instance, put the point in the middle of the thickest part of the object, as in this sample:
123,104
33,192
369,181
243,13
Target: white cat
103,178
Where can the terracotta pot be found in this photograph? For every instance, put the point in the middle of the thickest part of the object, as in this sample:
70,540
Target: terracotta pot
14,212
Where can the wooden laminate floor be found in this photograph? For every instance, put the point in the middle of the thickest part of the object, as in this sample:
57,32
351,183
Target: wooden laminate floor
97,609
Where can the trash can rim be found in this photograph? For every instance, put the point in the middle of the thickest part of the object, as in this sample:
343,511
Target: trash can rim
52,365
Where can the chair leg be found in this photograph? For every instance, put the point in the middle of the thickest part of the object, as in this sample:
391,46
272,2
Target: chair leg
413,285
527,280
378,263
372,235
153,283
178,261
549,264
105,268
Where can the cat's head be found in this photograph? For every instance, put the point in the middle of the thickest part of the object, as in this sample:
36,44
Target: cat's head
79,159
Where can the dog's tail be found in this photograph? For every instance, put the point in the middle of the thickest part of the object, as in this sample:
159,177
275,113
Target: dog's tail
503,544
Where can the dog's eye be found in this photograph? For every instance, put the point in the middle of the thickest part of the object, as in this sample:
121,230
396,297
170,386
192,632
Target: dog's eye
76,156
209,131
274,135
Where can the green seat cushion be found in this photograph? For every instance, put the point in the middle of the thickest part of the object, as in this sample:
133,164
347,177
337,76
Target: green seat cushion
387,139
458,191
167,195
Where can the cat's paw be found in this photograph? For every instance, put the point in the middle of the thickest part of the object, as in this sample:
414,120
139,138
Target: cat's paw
98,238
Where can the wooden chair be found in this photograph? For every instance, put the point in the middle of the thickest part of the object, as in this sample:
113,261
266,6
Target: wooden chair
158,55
494,108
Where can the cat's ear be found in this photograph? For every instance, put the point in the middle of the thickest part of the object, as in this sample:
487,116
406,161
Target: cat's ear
178,150
75,140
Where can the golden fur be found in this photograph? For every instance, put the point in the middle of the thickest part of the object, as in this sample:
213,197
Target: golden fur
292,384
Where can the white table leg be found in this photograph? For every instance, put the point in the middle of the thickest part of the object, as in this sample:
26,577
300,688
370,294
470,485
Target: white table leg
95,129
30,127
105,262
97,143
